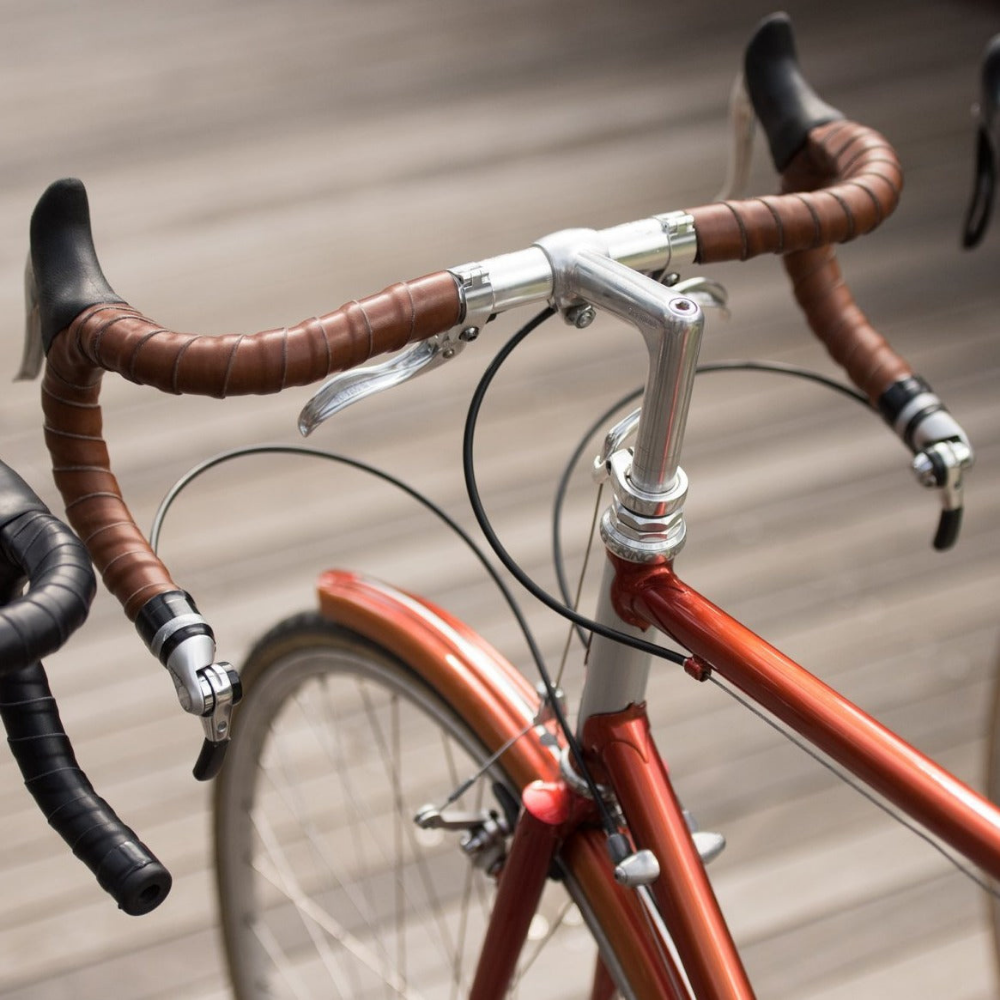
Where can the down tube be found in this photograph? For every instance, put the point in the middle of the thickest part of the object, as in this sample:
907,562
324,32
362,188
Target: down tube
907,778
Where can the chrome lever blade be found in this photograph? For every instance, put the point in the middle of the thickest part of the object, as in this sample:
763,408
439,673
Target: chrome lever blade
942,465
33,355
350,387
742,121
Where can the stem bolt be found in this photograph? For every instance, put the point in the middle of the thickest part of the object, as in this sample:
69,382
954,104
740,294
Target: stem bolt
581,316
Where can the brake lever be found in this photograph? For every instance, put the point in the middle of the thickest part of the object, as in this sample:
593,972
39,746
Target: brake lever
350,387
221,690
33,352
742,125
942,465
980,208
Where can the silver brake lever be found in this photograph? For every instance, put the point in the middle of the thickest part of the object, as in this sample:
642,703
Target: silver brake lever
33,355
942,465
350,387
709,295
742,121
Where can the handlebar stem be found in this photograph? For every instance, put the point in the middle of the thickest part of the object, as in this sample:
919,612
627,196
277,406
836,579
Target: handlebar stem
645,521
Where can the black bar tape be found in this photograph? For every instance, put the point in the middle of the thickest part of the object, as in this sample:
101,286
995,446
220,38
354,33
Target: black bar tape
158,613
16,496
38,546
893,401
124,867
899,396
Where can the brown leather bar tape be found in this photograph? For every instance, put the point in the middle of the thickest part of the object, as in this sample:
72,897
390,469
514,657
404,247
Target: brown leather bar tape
819,288
872,364
843,183
117,338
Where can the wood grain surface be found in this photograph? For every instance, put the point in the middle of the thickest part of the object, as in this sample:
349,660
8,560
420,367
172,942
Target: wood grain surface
253,163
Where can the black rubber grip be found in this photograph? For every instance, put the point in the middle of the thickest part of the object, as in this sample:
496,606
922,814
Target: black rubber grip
124,867
68,275
785,104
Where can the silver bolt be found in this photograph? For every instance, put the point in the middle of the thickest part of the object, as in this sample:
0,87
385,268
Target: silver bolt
923,468
581,316
469,333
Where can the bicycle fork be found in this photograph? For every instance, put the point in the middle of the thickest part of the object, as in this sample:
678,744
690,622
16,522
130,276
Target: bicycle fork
548,812
556,820
553,819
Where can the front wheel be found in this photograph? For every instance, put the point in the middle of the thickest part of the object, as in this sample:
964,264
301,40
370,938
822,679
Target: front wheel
327,886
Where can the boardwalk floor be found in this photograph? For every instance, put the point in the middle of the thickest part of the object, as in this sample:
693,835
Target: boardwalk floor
251,163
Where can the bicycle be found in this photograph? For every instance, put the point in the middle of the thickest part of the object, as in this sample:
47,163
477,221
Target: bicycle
342,590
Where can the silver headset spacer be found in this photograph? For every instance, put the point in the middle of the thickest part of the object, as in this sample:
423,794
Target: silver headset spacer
640,526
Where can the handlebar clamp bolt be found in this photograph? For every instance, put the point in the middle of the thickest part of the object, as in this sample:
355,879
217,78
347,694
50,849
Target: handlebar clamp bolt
580,316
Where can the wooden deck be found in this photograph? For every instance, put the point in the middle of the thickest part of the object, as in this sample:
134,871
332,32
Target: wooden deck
252,163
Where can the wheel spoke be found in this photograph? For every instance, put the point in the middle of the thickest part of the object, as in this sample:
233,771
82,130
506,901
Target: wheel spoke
406,832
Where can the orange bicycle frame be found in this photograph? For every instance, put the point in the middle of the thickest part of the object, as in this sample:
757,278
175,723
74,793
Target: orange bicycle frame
557,823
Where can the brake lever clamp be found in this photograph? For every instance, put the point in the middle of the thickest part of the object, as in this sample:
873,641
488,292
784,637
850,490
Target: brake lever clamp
476,293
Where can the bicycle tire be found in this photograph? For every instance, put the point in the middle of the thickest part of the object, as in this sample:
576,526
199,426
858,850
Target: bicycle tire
326,933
